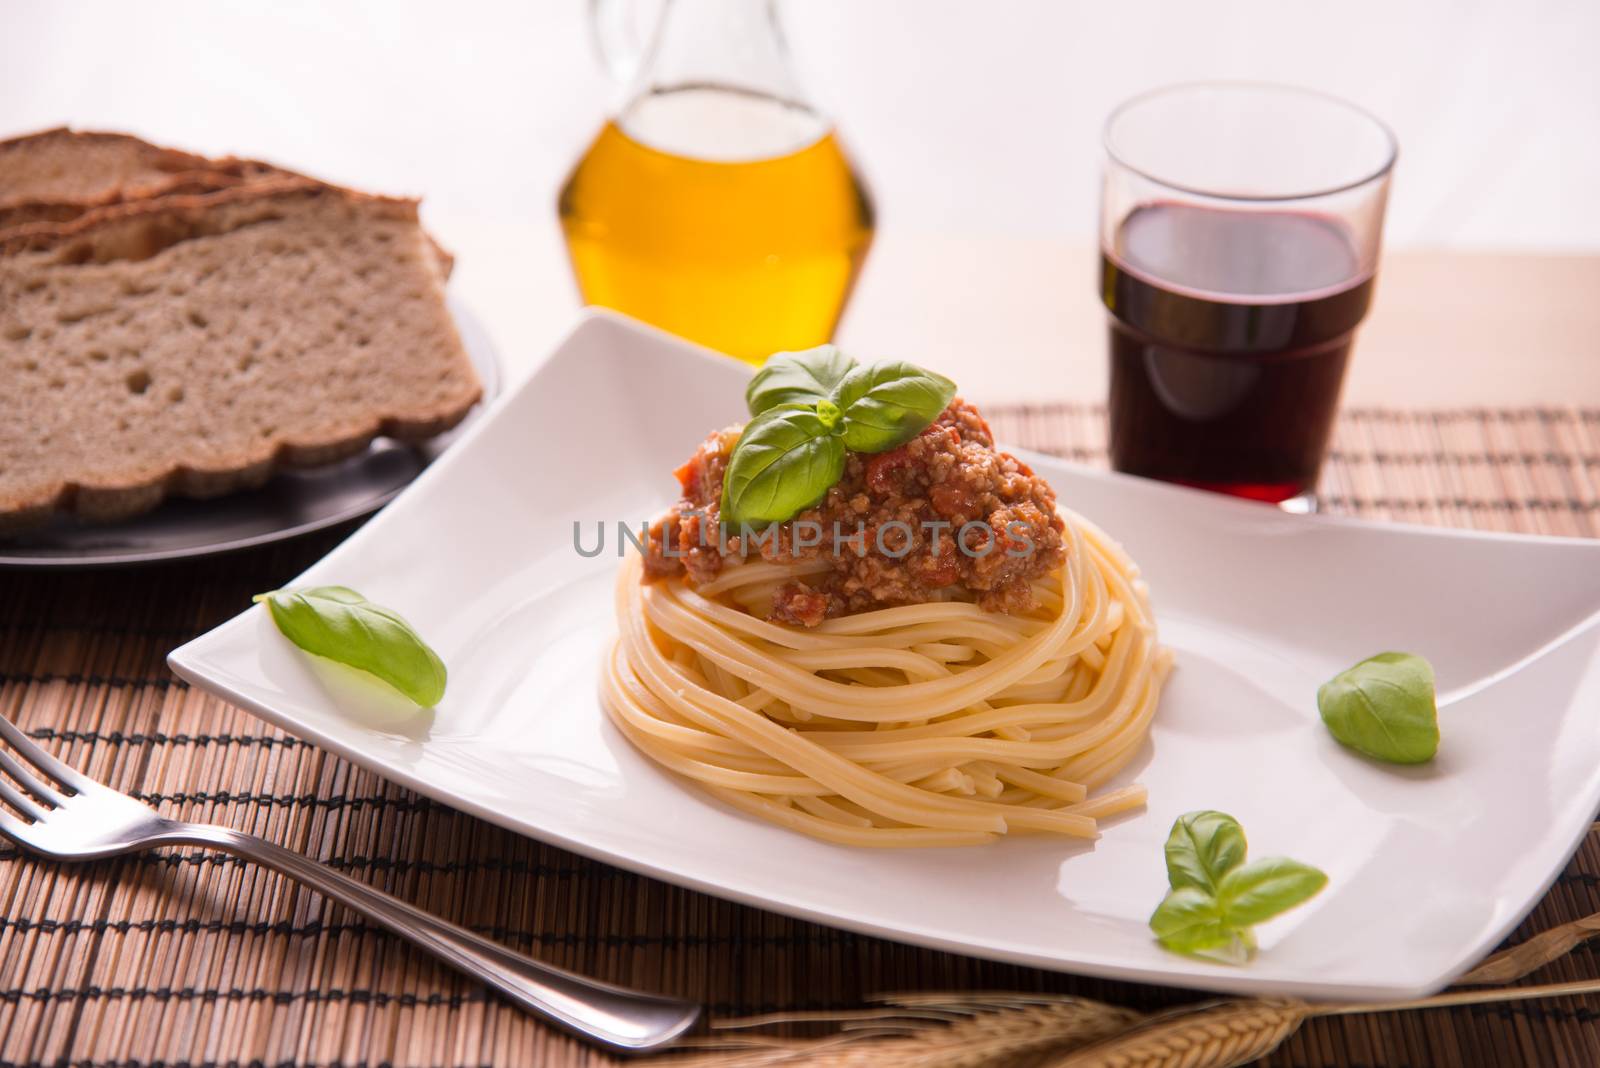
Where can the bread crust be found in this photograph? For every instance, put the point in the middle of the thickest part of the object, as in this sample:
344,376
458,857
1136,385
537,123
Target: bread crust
182,174
209,179
167,171
121,231
154,157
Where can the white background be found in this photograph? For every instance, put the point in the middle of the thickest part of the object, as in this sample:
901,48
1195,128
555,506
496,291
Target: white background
976,124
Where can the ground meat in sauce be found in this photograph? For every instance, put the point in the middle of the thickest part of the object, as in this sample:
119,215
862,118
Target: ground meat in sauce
947,476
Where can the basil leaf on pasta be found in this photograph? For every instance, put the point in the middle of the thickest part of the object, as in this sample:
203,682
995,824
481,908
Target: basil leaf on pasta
338,623
797,378
1384,707
785,461
887,404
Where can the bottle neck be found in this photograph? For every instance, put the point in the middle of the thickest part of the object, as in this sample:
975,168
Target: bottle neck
715,84
728,44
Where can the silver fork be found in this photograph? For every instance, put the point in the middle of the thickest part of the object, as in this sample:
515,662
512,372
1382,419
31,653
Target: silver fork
67,816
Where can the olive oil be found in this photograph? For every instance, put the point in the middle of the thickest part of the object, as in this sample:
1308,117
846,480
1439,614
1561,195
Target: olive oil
749,254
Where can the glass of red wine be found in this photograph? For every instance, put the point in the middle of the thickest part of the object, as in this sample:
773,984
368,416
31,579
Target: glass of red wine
1239,234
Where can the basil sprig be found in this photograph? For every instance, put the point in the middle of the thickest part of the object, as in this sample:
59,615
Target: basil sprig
806,409
1384,707
1216,896
338,623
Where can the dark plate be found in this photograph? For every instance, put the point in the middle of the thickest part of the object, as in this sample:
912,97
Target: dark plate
291,503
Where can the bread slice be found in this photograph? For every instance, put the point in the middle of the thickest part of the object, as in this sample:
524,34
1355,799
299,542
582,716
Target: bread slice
192,344
58,175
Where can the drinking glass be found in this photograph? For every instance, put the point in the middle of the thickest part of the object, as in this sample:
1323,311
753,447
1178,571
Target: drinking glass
1239,234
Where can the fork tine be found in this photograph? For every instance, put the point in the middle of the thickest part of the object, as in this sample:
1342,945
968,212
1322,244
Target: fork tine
14,828
42,760
20,801
29,782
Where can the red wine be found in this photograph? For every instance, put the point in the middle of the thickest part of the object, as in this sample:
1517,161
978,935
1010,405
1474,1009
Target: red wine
1229,335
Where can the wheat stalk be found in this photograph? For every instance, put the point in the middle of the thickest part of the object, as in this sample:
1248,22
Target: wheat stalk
1216,1035
953,1030
956,1031
1512,964
948,1030
1230,1033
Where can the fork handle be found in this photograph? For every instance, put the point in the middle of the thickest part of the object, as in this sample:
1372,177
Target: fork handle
623,1018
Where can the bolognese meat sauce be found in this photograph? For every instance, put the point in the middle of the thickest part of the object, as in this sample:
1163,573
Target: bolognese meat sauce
945,515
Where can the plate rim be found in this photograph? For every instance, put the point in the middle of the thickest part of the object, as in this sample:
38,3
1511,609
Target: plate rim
485,360
1218,978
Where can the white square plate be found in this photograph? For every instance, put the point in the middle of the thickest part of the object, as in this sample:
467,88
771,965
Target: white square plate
1428,867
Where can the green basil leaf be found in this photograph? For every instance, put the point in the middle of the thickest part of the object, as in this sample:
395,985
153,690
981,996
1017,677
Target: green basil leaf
1203,847
1188,920
1255,892
797,378
887,404
784,462
338,623
1216,897
1384,707
1239,948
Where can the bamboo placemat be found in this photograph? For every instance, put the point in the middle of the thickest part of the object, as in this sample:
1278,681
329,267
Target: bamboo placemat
186,959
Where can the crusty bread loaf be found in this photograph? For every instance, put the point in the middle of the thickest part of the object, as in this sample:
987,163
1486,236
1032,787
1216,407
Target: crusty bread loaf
191,344
58,175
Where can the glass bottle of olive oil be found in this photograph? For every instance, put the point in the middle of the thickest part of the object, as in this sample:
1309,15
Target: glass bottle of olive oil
717,204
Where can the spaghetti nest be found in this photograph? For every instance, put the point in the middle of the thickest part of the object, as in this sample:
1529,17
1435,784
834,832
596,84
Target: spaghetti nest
932,724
